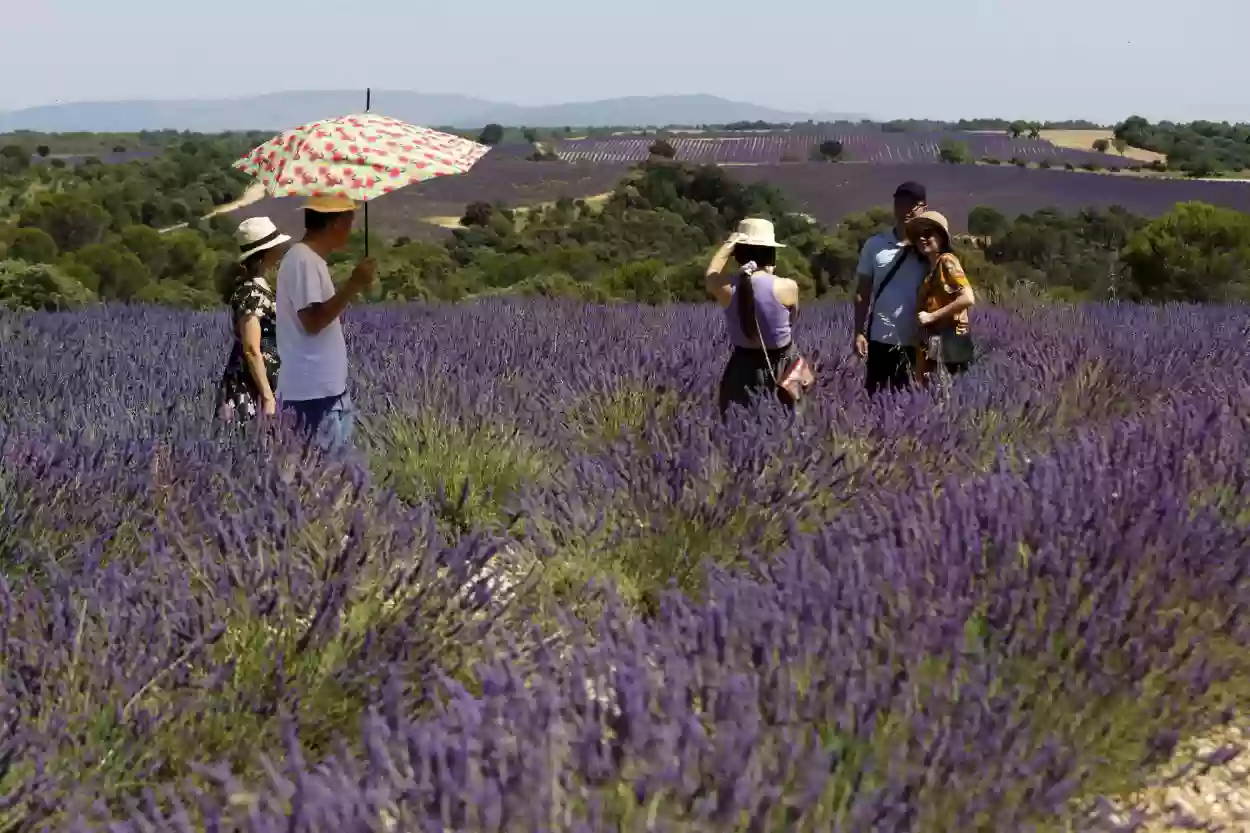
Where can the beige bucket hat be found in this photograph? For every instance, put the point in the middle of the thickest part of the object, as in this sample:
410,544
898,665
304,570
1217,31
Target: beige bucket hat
926,218
756,231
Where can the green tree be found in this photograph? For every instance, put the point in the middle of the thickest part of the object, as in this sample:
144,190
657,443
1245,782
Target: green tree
663,149
830,150
1197,252
190,260
984,221
13,159
477,214
33,245
121,274
38,286
491,134
71,220
1016,128
1102,145
175,294
43,151
149,246
953,152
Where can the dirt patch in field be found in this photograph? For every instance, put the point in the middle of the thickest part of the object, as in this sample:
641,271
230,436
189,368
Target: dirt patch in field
1084,140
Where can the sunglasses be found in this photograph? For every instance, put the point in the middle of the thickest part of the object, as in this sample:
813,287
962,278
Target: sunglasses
927,232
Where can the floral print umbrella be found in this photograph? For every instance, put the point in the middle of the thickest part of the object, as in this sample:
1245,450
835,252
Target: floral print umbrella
360,156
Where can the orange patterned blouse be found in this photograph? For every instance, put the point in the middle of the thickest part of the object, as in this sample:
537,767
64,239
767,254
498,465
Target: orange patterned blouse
942,285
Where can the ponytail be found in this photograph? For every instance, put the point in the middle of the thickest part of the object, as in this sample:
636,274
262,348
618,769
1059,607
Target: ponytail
752,258
745,293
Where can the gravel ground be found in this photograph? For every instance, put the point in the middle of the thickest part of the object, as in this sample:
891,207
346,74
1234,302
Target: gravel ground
1206,786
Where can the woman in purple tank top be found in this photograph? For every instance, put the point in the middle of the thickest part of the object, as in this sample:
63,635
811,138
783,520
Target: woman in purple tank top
759,312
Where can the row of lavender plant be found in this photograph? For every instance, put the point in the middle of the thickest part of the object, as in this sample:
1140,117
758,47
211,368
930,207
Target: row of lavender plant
899,615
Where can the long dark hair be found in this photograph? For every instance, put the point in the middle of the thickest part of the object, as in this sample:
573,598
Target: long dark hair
243,271
744,291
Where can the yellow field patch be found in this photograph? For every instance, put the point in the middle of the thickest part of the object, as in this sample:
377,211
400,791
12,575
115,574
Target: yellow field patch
1084,140
594,200
445,222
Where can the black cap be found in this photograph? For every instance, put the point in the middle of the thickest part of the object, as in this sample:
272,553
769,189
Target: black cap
911,189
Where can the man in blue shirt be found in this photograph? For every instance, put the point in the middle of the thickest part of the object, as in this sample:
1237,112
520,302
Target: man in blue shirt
888,280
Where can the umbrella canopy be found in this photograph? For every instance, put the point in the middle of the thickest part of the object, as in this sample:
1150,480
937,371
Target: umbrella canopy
360,156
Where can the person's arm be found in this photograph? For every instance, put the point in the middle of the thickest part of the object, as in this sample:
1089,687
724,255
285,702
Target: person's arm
248,328
786,291
719,285
863,297
316,304
955,282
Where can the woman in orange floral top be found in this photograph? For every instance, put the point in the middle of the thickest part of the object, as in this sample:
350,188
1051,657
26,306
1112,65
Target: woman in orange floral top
945,298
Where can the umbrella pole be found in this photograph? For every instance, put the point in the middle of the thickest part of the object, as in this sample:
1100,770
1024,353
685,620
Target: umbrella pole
368,103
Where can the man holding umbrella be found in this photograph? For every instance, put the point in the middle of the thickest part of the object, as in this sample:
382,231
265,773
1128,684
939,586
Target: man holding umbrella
313,384
337,163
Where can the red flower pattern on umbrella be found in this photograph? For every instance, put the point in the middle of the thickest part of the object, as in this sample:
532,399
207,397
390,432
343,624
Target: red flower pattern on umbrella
361,156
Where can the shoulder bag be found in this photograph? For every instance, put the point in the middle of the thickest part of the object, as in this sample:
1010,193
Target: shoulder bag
943,344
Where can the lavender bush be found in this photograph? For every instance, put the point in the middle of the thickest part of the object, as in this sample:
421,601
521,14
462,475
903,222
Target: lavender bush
555,592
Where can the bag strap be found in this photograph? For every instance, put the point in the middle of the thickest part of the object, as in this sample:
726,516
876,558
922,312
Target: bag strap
889,276
876,296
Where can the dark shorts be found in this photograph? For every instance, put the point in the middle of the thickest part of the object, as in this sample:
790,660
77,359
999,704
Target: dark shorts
746,375
889,366
329,421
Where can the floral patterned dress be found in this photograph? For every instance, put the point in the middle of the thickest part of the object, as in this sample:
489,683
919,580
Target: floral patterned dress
237,394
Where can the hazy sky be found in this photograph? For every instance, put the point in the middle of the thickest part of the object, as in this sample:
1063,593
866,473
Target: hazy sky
1018,58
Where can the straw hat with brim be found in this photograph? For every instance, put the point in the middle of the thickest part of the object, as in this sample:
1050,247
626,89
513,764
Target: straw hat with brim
257,234
330,204
929,218
755,231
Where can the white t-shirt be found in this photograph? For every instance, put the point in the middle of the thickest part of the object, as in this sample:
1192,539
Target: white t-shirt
893,316
313,366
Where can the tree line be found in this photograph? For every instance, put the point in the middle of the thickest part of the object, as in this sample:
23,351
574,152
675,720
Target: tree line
1200,148
72,236
94,231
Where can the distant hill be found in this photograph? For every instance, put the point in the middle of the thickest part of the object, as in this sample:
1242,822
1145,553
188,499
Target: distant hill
276,111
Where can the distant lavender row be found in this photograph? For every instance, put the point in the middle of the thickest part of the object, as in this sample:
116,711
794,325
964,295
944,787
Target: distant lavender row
506,178
857,146
830,192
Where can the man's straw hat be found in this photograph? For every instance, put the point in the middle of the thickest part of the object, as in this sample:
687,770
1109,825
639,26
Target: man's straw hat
330,204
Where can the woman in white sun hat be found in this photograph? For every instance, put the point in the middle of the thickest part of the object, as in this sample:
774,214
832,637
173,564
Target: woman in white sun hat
759,313
251,374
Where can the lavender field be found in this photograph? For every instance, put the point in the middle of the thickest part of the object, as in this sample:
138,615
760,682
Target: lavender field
858,146
503,178
556,593
830,192
827,192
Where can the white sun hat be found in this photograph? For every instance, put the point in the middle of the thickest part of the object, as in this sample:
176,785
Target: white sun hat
756,231
256,234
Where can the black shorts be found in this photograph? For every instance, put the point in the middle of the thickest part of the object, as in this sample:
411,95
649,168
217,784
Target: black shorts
889,366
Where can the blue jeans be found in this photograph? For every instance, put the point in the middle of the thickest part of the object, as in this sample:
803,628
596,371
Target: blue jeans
329,421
